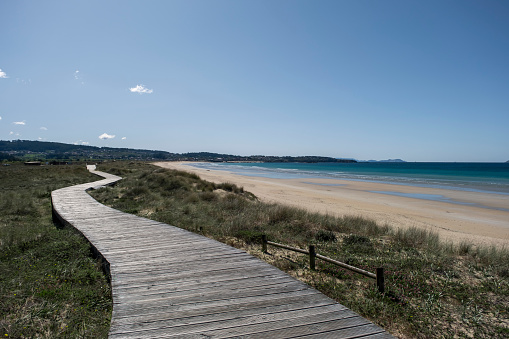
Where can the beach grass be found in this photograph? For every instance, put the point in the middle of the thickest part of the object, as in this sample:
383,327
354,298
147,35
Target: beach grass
50,285
433,289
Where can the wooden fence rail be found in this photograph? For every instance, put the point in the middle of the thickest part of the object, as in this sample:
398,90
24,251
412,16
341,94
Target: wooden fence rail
378,276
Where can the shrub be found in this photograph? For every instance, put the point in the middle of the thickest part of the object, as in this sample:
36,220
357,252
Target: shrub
163,182
417,237
186,174
464,248
325,236
208,196
117,171
206,186
229,187
354,239
250,237
280,214
137,191
192,198
233,202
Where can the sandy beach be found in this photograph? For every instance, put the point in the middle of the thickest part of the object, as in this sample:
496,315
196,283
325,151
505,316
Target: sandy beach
463,221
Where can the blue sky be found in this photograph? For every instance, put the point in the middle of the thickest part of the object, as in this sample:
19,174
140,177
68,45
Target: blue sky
417,80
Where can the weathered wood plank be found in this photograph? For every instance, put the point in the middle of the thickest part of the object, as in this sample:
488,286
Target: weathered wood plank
235,323
224,280
123,311
161,293
226,311
270,328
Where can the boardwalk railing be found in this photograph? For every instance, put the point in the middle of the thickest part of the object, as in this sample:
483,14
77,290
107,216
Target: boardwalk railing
378,276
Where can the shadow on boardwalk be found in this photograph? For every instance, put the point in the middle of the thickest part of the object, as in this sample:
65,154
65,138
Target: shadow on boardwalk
168,282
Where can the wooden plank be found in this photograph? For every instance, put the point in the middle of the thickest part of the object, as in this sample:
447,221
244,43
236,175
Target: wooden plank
175,275
233,283
178,298
156,287
123,311
227,311
275,327
330,329
223,279
183,267
261,319
157,250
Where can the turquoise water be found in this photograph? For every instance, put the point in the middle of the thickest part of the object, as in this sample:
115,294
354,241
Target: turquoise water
475,177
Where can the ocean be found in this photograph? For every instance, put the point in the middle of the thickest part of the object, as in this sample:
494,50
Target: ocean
474,177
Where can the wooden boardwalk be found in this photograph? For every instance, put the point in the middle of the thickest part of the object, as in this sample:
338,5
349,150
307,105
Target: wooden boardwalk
171,283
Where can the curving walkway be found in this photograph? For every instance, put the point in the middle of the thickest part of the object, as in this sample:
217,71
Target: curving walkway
171,283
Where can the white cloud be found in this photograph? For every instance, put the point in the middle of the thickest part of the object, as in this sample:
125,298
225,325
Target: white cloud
0,118
11,133
2,74
81,142
106,136
44,128
141,89
123,138
19,122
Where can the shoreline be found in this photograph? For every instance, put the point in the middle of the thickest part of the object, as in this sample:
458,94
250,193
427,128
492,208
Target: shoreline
478,218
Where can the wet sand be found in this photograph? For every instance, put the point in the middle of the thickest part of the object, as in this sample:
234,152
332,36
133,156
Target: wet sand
475,217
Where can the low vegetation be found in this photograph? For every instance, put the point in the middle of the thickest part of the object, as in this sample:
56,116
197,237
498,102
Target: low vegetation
433,289
50,286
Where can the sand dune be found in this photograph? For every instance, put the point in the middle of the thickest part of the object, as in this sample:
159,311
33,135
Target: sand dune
475,217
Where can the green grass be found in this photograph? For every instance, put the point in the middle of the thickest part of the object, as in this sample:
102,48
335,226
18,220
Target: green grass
50,286
433,289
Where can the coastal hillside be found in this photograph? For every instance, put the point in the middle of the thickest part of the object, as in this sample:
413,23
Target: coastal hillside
43,150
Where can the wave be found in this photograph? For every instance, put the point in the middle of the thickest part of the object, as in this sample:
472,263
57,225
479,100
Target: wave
393,175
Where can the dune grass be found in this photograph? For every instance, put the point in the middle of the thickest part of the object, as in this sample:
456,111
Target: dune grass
433,289
50,286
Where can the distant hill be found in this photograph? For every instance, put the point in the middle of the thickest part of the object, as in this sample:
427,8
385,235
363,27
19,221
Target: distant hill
43,150
27,150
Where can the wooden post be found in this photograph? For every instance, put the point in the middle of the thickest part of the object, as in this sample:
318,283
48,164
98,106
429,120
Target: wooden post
380,279
264,243
312,255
